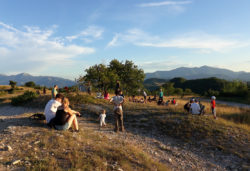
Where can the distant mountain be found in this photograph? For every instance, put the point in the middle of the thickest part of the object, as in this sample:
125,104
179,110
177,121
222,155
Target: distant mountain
47,81
200,72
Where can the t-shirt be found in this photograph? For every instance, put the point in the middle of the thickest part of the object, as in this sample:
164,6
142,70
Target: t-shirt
213,103
195,108
144,93
54,93
117,100
161,94
50,109
102,117
61,117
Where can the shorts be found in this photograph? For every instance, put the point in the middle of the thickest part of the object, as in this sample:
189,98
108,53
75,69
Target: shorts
62,127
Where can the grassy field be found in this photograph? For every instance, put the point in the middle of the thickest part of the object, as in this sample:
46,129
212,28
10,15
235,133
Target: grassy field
56,150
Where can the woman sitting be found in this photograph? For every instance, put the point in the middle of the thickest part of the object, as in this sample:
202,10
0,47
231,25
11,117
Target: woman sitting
106,95
65,117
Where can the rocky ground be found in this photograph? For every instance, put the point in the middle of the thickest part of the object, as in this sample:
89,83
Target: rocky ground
175,153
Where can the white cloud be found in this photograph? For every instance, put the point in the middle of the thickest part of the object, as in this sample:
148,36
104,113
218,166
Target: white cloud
197,40
33,49
163,65
90,34
113,42
165,3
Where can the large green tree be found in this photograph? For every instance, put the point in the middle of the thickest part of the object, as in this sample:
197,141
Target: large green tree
105,77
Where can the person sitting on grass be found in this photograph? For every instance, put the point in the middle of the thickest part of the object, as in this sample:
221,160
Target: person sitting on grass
106,95
195,108
51,108
102,118
187,106
167,102
65,117
173,101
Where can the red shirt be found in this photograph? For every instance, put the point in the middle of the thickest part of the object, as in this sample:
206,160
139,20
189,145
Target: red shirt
213,103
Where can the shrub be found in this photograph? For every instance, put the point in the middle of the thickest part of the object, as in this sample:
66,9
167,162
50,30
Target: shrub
2,93
22,99
30,84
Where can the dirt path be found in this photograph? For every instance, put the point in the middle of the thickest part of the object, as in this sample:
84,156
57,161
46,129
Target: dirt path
162,148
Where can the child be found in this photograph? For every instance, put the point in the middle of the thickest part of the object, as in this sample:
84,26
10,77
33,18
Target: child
102,118
213,105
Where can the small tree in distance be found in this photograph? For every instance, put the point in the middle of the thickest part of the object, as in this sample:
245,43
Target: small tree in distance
30,84
12,84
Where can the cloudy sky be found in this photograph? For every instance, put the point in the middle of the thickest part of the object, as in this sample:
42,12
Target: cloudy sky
63,37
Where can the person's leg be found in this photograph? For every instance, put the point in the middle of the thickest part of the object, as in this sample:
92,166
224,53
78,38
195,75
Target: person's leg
72,119
121,121
116,122
214,113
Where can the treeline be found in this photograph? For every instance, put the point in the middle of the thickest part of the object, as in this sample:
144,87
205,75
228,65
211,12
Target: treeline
212,86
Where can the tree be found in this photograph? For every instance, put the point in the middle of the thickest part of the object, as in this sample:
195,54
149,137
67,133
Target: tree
12,84
105,77
30,84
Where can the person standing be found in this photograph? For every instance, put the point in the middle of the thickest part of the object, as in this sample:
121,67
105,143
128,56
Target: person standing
145,96
117,101
89,88
102,118
54,91
117,86
161,95
213,105
44,90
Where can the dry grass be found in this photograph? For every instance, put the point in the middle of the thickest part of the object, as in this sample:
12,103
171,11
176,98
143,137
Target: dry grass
46,149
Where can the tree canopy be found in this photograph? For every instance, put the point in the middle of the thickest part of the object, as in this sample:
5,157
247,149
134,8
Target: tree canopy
105,76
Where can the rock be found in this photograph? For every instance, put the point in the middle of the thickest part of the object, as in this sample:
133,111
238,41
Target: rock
16,162
8,148
27,163
119,169
36,142
105,164
170,160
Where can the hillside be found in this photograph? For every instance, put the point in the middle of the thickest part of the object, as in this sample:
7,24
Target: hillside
200,72
154,83
47,81
156,138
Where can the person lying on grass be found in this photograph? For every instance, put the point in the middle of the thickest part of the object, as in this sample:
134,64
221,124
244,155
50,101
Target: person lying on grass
65,117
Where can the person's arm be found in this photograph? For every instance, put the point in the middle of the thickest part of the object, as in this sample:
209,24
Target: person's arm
72,112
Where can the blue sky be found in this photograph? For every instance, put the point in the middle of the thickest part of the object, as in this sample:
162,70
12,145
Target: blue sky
62,37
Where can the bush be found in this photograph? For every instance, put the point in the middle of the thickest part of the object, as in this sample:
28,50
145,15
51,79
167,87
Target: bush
22,99
30,84
2,93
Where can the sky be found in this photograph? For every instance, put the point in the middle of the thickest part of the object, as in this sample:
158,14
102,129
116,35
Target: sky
65,37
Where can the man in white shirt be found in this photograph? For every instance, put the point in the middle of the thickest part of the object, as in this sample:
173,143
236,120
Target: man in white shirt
51,107
195,108
118,101
145,96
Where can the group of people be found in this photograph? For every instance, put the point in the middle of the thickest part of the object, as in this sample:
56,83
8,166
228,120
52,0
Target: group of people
60,116
195,107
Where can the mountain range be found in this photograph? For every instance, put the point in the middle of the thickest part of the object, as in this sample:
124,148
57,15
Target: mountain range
200,72
47,81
